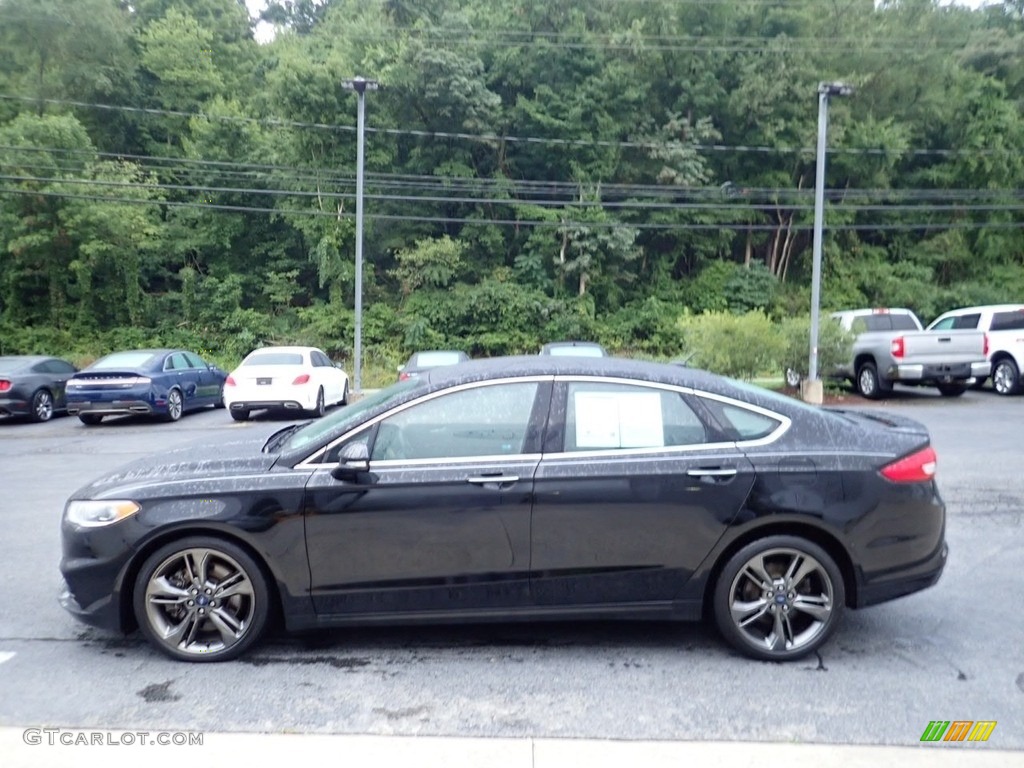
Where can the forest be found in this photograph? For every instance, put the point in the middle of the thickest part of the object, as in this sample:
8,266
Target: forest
534,170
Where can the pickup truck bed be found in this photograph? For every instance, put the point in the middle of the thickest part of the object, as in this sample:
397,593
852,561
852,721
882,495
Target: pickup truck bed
891,347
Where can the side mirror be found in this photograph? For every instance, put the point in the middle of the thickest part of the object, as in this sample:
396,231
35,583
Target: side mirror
354,461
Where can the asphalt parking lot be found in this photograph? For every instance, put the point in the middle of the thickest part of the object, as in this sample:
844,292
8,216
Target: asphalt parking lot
953,652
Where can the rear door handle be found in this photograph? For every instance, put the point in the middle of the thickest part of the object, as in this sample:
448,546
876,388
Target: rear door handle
712,472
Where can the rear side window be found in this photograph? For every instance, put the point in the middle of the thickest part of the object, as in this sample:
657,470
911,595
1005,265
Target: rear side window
903,323
968,322
602,416
1008,321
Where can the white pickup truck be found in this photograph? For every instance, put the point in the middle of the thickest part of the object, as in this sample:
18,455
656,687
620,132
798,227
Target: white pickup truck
891,347
1004,324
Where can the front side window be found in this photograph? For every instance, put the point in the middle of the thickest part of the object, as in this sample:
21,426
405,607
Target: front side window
606,416
481,421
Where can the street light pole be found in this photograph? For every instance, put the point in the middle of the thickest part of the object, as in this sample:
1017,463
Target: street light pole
812,390
360,85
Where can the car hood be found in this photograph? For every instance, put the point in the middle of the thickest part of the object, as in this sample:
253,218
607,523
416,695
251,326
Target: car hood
198,461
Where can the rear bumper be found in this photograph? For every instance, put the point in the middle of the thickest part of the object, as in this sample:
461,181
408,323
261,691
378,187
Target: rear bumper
110,408
906,582
939,372
265,405
11,406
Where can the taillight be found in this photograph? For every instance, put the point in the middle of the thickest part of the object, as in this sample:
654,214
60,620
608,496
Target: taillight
898,347
4,385
986,345
230,382
915,468
303,379
403,376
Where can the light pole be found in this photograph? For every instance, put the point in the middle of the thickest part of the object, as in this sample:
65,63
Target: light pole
360,85
812,390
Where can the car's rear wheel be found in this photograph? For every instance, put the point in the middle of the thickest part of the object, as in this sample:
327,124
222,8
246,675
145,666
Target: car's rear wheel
239,415
90,419
201,599
174,405
869,383
779,598
1006,377
42,406
952,390
318,409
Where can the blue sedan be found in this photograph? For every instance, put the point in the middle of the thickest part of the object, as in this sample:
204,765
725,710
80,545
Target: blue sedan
152,382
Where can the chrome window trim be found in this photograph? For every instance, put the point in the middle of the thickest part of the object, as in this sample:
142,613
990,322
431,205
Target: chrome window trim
456,462
311,461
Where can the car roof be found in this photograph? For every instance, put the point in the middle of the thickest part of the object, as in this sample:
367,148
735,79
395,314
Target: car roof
289,348
552,365
984,308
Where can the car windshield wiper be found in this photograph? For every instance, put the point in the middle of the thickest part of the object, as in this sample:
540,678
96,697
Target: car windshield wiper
278,437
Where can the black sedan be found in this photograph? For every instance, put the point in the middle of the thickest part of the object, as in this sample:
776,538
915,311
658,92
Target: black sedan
518,489
152,382
33,386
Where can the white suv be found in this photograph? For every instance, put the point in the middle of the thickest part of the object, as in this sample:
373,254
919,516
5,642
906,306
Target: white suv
1004,324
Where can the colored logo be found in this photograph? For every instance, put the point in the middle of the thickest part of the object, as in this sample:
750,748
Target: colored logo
958,730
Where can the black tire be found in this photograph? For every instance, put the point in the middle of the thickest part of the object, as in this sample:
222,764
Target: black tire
239,415
1005,377
951,390
779,598
175,405
177,603
220,399
318,409
869,384
42,406
90,419
344,395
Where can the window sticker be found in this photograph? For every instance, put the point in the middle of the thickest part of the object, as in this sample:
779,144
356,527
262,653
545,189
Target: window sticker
618,420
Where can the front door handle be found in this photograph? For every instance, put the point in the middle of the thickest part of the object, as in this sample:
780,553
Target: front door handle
715,472
496,479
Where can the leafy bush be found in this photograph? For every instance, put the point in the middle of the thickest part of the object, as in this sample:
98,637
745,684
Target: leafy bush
742,346
835,345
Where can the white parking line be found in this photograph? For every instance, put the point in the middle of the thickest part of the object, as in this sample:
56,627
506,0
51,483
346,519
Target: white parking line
6,656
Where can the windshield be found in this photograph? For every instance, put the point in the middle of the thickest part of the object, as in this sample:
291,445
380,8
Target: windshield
347,417
274,358
122,360
433,359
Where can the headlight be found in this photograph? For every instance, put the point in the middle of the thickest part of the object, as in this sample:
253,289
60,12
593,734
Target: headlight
93,514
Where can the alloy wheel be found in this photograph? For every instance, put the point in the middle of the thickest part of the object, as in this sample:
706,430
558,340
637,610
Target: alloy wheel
1004,377
42,406
174,407
779,600
200,602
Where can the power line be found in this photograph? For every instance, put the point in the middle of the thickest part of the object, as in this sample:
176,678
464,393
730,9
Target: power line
492,138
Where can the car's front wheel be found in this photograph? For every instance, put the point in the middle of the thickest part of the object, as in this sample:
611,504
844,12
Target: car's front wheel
201,599
42,406
1006,377
174,405
344,394
779,598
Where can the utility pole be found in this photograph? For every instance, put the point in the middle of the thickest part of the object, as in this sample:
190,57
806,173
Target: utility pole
360,85
812,388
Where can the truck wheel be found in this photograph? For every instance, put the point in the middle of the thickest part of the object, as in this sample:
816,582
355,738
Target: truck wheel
869,383
1005,377
951,390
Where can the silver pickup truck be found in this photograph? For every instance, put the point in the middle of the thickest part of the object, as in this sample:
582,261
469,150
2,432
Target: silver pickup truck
892,347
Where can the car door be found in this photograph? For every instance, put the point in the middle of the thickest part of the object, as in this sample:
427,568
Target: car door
441,522
185,377
633,491
207,383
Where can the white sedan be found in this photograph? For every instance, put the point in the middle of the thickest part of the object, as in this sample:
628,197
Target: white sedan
285,379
